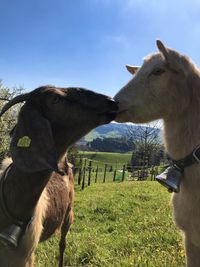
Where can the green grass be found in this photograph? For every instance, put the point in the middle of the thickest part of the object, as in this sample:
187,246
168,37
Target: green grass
114,161
100,158
100,176
119,224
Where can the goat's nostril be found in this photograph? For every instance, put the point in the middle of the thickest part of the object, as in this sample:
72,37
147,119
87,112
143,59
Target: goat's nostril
111,101
112,104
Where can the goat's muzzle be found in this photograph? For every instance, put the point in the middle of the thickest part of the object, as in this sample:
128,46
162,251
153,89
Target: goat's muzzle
112,109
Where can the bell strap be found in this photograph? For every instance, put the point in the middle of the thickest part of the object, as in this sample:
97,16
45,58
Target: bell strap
3,205
189,160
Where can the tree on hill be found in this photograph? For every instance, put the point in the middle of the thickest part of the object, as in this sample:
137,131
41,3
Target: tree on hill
111,145
148,147
9,118
73,156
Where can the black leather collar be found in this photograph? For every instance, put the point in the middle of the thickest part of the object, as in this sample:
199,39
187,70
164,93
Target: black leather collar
189,160
3,205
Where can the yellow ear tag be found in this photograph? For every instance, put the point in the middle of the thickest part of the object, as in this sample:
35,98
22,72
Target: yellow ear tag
24,141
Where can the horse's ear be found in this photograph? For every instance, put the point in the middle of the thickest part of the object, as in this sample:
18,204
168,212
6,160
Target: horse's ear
32,145
162,49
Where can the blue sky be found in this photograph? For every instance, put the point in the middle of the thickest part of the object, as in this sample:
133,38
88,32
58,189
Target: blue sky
86,43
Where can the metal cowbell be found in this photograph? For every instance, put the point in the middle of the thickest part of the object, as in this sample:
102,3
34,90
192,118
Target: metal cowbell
170,179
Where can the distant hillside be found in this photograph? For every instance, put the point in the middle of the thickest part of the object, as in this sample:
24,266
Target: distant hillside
112,130
117,137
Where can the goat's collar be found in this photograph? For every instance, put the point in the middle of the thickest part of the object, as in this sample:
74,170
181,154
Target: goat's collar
172,176
189,160
3,205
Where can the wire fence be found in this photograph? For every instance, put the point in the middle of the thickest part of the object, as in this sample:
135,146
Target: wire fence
92,171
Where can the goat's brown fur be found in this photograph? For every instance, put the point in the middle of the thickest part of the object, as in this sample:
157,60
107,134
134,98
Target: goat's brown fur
39,183
55,200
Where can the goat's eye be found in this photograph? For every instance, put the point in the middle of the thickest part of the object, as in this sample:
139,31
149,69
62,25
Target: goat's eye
158,71
56,100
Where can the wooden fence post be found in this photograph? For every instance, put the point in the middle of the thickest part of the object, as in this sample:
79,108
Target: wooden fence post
96,175
80,172
156,172
114,175
89,173
152,171
84,170
123,172
139,175
104,176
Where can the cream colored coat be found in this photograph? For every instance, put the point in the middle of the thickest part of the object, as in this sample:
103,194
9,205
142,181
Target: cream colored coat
167,87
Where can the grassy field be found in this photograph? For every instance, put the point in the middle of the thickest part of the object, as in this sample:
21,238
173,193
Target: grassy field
114,161
119,224
100,158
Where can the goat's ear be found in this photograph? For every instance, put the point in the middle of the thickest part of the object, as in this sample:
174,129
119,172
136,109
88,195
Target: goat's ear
32,145
162,49
173,58
132,69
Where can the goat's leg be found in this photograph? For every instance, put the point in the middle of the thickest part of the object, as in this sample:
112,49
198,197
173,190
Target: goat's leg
192,253
64,229
30,262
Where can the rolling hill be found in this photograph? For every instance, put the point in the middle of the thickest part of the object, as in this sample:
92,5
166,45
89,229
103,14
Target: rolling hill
111,130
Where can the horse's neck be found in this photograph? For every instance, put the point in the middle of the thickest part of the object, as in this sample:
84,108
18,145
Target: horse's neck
182,134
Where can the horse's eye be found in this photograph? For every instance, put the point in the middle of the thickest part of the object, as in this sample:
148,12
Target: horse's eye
158,71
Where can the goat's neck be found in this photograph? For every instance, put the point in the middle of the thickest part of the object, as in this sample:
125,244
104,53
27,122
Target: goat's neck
181,137
22,191
28,187
182,132
66,137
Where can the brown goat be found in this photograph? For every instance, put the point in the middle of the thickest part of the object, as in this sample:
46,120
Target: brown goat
38,187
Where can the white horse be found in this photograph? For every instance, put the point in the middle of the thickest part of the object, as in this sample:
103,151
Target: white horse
167,86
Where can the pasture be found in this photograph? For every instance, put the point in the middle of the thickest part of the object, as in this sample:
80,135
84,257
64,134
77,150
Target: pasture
107,167
100,158
119,224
